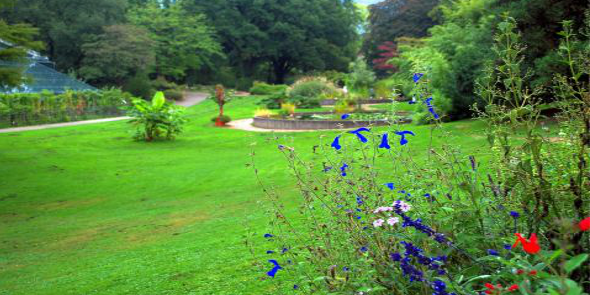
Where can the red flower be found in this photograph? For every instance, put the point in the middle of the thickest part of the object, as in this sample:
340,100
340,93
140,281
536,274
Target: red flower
533,273
492,290
513,288
519,272
584,225
530,246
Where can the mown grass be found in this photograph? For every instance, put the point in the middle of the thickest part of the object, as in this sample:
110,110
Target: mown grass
86,210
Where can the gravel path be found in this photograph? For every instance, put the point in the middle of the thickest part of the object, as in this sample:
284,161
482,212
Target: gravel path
191,99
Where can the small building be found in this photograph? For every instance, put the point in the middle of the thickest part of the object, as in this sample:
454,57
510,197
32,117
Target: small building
43,75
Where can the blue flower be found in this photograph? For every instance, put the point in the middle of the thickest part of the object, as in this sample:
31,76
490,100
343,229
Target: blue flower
390,186
440,288
345,116
508,247
295,287
343,169
403,134
336,143
364,249
359,201
417,77
413,101
268,236
358,134
274,270
270,252
493,252
514,214
396,257
284,250
385,142
431,108
346,268
427,195
328,168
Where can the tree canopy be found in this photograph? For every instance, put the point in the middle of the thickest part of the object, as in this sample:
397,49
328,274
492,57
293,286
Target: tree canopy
16,40
273,37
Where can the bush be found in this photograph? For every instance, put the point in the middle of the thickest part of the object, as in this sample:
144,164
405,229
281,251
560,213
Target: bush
308,91
244,84
274,101
140,86
223,119
261,88
156,120
289,108
174,94
39,108
264,113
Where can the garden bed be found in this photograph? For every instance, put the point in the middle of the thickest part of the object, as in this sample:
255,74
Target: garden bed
314,121
331,102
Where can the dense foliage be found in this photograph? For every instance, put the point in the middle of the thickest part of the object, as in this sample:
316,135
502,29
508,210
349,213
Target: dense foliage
374,220
45,107
192,41
16,40
157,119
391,19
267,40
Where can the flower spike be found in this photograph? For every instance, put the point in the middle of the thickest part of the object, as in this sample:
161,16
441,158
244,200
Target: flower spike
274,270
403,134
358,134
336,143
385,142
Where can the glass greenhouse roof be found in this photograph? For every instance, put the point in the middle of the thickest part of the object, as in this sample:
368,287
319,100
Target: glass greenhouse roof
43,76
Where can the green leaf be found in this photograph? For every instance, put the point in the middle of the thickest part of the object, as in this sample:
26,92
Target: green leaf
575,262
555,255
158,100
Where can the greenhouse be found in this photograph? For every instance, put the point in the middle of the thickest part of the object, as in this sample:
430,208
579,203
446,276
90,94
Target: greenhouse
43,76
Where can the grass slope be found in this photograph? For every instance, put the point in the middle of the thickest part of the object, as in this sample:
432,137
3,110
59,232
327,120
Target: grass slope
86,210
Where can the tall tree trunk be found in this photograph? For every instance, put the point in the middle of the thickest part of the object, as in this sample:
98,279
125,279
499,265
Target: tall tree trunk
281,69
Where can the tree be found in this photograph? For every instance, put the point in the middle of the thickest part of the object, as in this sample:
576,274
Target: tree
65,25
15,41
121,52
183,40
280,36
391,19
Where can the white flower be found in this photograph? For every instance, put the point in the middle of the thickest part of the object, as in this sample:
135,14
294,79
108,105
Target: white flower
403,206
383,209
378,222
392,221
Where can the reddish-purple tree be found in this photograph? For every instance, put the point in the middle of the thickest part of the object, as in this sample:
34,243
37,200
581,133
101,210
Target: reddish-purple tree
386,52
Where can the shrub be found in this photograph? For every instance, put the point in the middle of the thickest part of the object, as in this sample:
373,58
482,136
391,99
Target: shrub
307,91
174,94
46,107
343,107
261,88
361,78
156,120
264,113
274,101
223,119
289,108
140,86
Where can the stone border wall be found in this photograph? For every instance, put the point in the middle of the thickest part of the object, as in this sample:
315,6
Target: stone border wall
283,124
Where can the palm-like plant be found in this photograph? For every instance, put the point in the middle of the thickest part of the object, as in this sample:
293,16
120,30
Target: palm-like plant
158,119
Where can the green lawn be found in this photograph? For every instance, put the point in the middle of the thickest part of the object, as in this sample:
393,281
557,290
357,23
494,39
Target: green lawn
86,210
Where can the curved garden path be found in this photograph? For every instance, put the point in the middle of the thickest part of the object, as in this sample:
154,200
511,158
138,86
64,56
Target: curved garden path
191,99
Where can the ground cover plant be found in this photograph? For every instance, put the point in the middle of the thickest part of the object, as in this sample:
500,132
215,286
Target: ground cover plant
377,219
